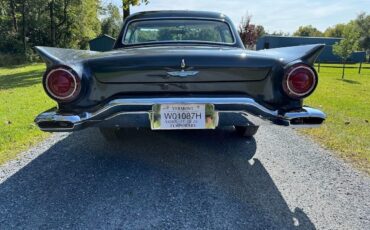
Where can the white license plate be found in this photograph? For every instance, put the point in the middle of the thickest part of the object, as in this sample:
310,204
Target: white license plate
183,116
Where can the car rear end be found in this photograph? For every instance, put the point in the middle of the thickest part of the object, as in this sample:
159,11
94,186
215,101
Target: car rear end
179,84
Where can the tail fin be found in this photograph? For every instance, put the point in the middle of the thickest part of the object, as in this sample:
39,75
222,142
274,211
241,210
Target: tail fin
58,56
307,53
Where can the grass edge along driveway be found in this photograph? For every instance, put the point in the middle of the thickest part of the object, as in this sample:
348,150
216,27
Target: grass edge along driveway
21,98
347,105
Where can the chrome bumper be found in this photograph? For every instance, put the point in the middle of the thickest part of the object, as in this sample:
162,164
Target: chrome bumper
136,112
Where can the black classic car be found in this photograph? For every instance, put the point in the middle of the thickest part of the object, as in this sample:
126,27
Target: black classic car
179,70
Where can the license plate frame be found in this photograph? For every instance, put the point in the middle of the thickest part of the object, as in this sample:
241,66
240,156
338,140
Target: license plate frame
179,116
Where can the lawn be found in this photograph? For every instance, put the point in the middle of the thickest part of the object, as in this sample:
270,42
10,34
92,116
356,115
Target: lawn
347,104
21,99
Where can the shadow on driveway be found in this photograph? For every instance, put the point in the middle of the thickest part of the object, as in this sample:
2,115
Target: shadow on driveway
187,179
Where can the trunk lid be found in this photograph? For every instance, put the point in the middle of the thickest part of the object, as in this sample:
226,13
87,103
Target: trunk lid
180,64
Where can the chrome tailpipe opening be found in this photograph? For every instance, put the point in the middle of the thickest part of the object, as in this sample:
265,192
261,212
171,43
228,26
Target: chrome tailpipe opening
305,118
53,125
314,121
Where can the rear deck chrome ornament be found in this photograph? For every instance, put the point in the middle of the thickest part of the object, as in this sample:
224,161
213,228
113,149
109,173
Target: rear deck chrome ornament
183,64
183,72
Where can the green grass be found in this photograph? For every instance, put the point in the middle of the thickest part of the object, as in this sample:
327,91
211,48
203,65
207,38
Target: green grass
21,99
347,104
356,65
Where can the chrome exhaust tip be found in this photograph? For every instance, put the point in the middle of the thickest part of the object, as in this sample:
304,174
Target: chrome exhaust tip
305,118
45,125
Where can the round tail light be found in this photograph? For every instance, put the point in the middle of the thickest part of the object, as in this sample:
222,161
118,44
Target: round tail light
299,81
62,84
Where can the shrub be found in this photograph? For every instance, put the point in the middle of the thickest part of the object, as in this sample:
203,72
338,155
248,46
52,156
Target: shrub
12,59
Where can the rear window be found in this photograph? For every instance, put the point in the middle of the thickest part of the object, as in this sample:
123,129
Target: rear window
176,30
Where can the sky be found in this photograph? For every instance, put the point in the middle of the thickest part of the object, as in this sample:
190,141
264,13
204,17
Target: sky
278,15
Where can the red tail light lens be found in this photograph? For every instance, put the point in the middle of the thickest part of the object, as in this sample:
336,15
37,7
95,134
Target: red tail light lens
299,81
62,84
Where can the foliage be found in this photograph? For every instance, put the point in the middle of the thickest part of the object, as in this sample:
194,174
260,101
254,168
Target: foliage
260,31
335,31
363,25
250,33
134,2
62,23
279,33
11,59
348,45
308,31
111,23
127,3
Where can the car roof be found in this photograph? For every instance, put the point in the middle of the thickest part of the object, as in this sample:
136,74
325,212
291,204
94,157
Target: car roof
178,14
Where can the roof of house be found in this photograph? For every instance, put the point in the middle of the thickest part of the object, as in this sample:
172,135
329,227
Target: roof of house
102,36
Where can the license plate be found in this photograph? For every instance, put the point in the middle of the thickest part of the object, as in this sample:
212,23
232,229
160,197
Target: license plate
184,116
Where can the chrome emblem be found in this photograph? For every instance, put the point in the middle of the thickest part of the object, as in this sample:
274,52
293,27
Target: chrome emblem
183,64
183,72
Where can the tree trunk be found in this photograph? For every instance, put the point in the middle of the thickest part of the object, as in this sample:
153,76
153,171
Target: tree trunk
65,15
14,18
126,9
52,23
24,27
344,66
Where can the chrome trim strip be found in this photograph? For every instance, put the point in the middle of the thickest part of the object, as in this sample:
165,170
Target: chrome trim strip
253,111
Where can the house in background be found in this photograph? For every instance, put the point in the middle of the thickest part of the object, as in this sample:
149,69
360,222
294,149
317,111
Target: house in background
269,42
102,43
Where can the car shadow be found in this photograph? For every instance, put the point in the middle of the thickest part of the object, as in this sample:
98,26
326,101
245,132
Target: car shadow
187,179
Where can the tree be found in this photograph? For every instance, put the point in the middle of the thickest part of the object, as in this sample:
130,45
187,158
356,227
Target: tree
112,22
126,6
308,31
260,31
52,22
335,31
279,33
347,45
249,33
11,37
24,21
61,23
13,15
72,22
363,25
86,23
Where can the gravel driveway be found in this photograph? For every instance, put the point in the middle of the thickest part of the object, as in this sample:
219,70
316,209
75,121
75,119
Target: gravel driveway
182,180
